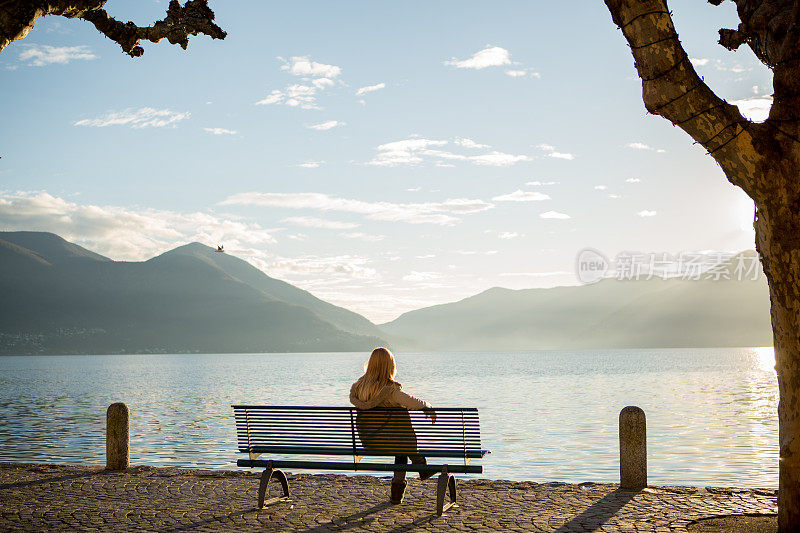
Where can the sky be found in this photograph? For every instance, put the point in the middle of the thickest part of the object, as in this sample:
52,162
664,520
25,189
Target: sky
384,156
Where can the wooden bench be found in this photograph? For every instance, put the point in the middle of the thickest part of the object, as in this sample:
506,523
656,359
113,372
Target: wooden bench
341,431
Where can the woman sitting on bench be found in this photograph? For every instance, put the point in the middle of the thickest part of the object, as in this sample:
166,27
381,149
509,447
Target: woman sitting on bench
387,429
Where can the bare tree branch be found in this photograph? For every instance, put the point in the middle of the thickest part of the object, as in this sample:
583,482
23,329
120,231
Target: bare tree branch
765,27
771,28
672,89
17,18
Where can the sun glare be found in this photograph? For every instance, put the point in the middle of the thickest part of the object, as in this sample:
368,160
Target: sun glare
744,212
765,358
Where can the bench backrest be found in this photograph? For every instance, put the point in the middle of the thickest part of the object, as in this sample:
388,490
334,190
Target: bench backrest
349,431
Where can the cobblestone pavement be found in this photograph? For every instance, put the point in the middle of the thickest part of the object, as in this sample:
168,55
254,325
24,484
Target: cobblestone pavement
68,498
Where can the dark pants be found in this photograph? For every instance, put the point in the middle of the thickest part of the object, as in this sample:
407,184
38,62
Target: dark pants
389,430
403,459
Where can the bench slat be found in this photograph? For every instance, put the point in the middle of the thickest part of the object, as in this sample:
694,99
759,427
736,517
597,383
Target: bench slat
321,450
311,430
327,408
381,467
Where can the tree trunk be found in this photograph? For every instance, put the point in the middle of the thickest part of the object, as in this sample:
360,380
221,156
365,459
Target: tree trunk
763,159
777,241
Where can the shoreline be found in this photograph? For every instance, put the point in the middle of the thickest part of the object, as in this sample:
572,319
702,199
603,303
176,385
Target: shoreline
399,351
462,478
48,496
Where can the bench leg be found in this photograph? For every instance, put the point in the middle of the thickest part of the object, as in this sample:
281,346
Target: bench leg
447,483
266,476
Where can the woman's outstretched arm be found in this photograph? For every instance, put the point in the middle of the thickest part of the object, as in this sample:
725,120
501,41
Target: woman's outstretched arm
406,400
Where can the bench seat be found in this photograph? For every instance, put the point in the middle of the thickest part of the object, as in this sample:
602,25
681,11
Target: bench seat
346,431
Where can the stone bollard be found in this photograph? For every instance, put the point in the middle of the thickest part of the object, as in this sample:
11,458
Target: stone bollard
118,438
632,448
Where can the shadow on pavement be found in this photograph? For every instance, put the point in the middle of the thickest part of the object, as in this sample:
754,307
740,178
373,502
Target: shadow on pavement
358,519
599,512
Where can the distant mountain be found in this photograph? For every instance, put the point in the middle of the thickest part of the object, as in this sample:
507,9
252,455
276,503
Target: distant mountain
607,314
58,297
280,290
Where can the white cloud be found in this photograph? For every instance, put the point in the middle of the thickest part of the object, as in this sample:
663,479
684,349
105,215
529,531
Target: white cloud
415,150
220,131
469,143
491,56
755,108
442,213
414,189
639,146
497,159
633,180
646,213
421,276
295,95
323,126
311,164
718,64
551,152
508,235
643,146
347,266
523,73
521,196
275,97
402,152
145,117
736,69
314,222
321,83
614,196
535,274
475,252
42,55
122,233
363,236
315,76
554,214
370,88
539,183
600,187
303,66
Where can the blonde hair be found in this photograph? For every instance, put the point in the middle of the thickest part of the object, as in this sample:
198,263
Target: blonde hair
378,372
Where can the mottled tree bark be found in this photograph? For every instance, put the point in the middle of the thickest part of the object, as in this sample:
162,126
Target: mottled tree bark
17,18
762,159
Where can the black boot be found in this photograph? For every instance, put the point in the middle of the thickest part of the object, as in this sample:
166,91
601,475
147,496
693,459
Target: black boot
422,461
398,488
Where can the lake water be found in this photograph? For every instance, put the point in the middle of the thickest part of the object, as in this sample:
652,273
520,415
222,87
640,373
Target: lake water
545,415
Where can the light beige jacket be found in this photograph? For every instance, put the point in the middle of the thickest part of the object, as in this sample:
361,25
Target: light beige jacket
391,395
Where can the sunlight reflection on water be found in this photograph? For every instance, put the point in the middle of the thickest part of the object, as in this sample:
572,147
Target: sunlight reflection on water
546,415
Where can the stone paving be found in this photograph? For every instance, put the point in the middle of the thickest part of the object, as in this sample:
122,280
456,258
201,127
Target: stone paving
44,497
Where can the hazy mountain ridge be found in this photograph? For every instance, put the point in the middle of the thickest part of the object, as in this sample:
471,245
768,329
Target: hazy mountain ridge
342,318
61,298
608,314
